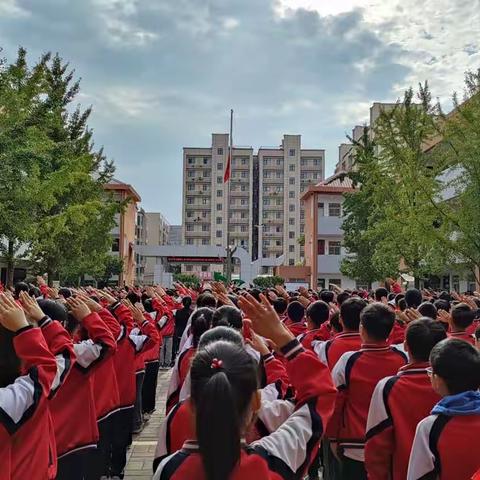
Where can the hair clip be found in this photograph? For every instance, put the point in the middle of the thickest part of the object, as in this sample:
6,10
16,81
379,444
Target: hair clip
216,364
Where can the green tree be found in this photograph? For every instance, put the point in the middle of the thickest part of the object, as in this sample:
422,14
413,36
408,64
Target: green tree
75,215
24,146
188,279
110,266
268,281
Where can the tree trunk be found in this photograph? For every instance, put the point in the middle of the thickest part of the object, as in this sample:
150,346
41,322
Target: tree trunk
10,262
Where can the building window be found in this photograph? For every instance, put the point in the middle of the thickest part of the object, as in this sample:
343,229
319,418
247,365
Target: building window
191,161
220,151
303,161
279,174
292,152
219,220
291,167
204,241
116,245
219,179
244,161
291,262
219,233
291,194
189,241
278,215
266,201
204,228
321,209
321,247
291,221
189,228
205,161
336,281
291,248
279,161
219,207
334,248
334,210
291,181
243,201
219,166
291,235
189,200
191,173
244,228
243,188
204,268
189,268
316,161
219,193
204,201
291,208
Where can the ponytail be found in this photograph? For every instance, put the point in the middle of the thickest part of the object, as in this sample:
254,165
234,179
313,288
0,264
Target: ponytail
200,322
218,428
223,381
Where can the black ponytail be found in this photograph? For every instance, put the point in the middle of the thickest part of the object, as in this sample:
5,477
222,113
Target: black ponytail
201,321
224,379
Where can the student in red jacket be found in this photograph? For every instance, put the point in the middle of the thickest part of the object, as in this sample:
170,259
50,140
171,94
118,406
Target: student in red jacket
295,321
391,424
446,443
201,321
225,397
317,314
27,373
348,340
356,375
462,317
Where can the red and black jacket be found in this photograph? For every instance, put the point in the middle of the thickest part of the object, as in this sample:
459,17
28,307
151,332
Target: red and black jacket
329,352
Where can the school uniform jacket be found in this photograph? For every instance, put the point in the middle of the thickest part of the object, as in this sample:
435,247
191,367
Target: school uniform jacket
73,407
446,444
468,337
131,343
307,338
288,451
297,328
356,375
179,374
165,318
24,416
329,352
398,404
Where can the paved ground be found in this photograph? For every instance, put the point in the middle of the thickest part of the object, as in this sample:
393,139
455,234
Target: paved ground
140,457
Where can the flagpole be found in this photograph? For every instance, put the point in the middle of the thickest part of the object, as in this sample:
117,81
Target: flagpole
229,250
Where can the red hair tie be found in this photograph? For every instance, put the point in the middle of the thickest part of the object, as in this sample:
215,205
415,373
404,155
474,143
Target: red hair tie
216,364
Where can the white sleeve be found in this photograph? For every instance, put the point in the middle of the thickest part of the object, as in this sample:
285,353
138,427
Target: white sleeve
138,339
185,334
377,413
338,372
163,320
185,390
174,379
269,393
422,460
319,347
275,413
88,352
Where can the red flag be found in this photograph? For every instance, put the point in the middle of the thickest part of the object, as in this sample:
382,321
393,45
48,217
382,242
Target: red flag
226,176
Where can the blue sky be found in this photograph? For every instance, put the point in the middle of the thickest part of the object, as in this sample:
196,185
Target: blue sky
163,74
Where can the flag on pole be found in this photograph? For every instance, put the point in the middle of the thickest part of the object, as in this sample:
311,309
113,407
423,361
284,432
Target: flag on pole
226,176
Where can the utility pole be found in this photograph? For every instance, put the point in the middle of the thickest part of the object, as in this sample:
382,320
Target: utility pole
229,166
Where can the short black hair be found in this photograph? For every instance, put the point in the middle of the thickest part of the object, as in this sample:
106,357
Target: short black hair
402,304
399,297
462,316
54,310
206,300
20,287
380,292
228,316
377,320
421,336
442,304
457,363
350,311
335,321
327,296
318,312
427,309
133,297
65,292
477,333
341,297
280,305
413,297
295,311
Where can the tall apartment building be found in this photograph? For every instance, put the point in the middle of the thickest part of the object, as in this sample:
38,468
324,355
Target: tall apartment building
157,230
175,235
266,216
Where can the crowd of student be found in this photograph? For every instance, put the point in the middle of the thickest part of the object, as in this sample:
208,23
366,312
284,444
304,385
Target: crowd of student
264,385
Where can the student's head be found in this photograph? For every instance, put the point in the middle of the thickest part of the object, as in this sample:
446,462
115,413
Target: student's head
421,336
442,304
54,310
380,292
427,309
220,333
201,319
455,367
224,396
350,311
327,296
34,292
206,300
227,316
413,297
295,311
462,316
341,297
280,305
255,293
402,304
317,313
399,297
133,297
335,322
376,322
187,302
477,337
20,287
65,292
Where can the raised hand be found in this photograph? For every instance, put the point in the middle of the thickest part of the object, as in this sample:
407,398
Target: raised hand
78,308
265,321
412,314
444,317
257,343
12,317
31,307
90,302
107,296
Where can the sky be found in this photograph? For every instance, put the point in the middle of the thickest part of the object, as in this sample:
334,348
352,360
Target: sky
163,74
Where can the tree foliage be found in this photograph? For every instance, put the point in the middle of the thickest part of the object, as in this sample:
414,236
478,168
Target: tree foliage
188,279
268,281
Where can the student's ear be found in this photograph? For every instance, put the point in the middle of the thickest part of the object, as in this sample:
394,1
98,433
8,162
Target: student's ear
439,386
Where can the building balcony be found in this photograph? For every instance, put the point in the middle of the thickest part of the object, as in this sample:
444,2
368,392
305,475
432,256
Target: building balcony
273,180
240,194
329,226
239,221
329,263
273,208
197,233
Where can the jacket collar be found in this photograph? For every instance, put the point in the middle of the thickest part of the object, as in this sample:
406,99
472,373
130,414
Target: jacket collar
348,335
414,368
375,347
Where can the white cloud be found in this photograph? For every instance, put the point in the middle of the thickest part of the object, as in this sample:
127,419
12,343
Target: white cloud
10,8
230,23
